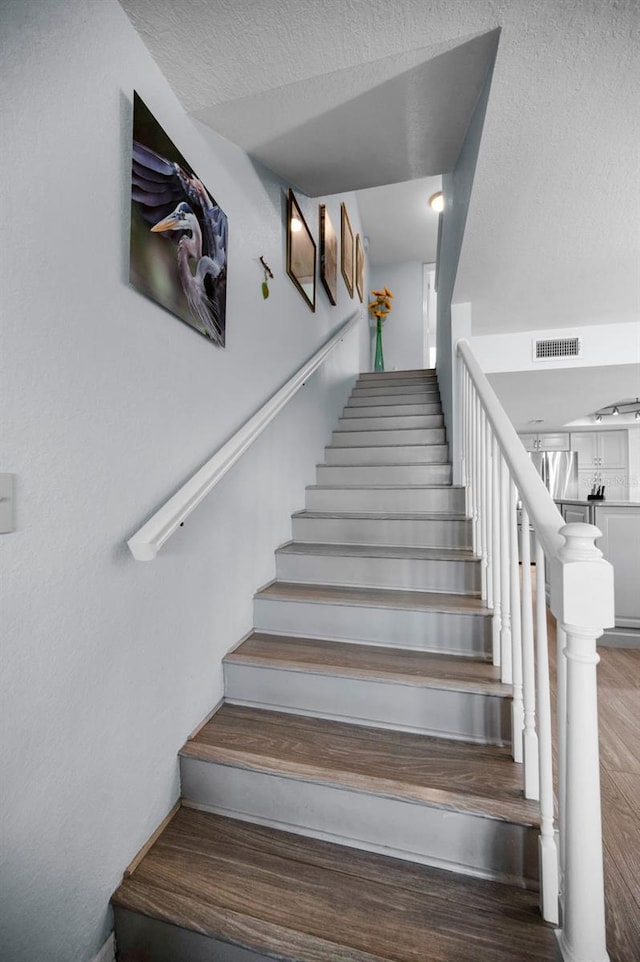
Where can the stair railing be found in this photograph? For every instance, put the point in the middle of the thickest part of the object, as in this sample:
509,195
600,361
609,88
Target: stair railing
145,543
499,477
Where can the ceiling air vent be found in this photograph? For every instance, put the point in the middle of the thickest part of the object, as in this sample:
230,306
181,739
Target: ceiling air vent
553,347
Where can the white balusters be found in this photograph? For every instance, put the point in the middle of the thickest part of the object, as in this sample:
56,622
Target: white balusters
547,840
495,543
484,497
531,778
498,473
475,418
517,707
505,597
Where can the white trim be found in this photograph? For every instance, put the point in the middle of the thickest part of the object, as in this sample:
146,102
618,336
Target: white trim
145,543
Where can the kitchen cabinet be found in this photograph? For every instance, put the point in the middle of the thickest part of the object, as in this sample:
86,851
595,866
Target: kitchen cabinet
600,449
546,442
573,513
602,460
615,484
620,544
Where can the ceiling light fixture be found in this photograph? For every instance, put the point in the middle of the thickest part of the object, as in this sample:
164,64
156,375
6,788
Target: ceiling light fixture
598,418
436,202
637,415
616,410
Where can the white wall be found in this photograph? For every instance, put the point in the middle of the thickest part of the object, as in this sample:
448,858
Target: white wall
109,402
600,344
403,331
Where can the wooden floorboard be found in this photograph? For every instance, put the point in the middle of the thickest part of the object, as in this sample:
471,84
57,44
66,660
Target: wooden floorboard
415,768
313,900
455,672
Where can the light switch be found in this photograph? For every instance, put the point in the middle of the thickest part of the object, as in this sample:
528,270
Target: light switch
6,503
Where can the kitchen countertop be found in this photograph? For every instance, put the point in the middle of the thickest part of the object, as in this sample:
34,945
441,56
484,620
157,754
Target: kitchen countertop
605,501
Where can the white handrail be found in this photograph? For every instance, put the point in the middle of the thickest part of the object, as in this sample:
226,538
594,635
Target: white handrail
543,513
581,584
145,543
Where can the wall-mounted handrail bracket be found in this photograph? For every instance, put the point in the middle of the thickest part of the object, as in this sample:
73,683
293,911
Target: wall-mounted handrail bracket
147,541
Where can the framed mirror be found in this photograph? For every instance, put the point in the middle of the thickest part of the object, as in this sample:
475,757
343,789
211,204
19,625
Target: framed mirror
359,268
301,252
328,255
346,248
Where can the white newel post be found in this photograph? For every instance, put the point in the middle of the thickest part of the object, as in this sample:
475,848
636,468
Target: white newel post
582,601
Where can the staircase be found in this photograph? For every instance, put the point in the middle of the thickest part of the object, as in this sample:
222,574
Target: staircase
354,798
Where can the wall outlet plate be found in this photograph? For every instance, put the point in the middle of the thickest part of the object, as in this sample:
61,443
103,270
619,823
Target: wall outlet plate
7,523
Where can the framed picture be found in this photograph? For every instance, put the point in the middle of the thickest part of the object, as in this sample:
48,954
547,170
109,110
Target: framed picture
346,248
178,240
328,255
359,268
301,252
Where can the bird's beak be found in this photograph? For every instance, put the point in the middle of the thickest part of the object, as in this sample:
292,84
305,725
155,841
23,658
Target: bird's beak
169,223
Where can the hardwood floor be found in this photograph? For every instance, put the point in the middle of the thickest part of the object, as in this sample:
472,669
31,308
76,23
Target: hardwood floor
619,704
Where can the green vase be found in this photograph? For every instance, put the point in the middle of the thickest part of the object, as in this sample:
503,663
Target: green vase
378,364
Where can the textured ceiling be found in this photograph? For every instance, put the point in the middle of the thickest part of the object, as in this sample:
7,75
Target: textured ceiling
563,396
399,223
552,236
342,131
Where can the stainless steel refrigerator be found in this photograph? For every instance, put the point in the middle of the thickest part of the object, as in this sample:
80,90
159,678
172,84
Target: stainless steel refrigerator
559,471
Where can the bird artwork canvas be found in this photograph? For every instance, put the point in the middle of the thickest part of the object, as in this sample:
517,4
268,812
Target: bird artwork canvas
178,247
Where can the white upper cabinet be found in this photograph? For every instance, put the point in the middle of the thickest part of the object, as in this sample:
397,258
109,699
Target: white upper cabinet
600,449
546,442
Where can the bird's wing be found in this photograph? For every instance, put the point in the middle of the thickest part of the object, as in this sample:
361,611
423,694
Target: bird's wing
157,184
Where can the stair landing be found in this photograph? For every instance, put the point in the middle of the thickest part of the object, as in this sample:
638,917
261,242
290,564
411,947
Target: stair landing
214,888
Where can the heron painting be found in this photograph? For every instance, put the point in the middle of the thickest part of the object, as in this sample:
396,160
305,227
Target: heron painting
178,254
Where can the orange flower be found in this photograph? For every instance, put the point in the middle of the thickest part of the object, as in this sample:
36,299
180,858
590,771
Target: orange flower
388,293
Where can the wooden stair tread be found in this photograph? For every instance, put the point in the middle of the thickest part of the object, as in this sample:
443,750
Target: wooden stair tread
296,898
378,551
415,768
375,597
370,662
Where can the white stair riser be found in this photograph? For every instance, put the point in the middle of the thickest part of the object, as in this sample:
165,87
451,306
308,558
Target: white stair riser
394,627
391,410
390,423
426,372
383,474
455,840
393,400
427,383
461,715
395,389
389,454
391,531
370,438
398,500
415,574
